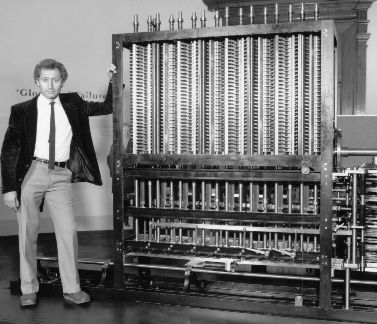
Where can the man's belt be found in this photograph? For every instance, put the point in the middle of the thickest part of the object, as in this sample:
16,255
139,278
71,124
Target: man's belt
58,164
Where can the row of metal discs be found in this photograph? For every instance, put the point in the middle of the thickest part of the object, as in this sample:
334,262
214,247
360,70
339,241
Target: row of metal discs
371,219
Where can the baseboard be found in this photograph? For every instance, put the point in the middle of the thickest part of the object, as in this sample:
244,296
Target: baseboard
84,223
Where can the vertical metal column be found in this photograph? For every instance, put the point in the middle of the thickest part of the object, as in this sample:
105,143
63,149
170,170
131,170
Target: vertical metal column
276,89
362,219
328,83
354,215
118,175
347,276
156,95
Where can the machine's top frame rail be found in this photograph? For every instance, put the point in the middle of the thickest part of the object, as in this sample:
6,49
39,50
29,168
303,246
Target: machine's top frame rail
222,32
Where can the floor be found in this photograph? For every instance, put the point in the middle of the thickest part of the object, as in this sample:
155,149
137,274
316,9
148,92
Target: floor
52,309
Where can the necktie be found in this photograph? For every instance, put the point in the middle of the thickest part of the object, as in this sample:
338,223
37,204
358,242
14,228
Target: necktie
51,139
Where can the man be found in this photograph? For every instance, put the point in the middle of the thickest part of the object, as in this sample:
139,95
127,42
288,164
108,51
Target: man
47,146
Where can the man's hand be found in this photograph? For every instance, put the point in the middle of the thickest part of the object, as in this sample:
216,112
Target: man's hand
11,201
112,69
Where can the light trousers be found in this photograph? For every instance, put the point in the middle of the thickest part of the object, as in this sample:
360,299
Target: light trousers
56,188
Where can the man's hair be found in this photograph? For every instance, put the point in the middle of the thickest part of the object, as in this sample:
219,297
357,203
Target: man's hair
50,64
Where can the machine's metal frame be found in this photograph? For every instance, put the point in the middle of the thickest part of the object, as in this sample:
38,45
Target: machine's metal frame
321,164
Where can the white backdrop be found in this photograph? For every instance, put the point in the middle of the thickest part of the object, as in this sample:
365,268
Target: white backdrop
77,33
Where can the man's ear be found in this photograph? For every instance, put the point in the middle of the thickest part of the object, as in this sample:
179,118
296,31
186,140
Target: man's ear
37,83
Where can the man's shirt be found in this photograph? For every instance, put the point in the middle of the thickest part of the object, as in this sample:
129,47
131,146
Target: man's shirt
63,134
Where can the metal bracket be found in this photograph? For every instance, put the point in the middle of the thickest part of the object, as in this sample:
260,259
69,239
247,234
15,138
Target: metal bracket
46,273
105,267
186,283
144,278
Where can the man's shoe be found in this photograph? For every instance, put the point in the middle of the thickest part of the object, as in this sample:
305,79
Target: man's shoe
28,300
77,298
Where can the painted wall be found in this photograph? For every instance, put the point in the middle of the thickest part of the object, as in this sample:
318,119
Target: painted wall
78,33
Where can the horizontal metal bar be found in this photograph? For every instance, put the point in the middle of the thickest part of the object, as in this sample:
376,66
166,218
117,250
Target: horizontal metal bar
221,32
241,274
311,161
193,262
233,175
224,215
238,228
345,151
85,261
254,275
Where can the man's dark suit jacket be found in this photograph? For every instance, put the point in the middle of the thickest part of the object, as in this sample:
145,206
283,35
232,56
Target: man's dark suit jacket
19,141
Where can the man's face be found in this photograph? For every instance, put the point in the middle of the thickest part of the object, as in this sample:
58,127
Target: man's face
50,83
